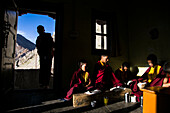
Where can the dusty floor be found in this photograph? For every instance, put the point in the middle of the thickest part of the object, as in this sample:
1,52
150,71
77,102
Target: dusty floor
118,107
46,102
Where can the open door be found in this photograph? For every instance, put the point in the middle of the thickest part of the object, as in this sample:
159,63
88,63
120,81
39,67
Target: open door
8,38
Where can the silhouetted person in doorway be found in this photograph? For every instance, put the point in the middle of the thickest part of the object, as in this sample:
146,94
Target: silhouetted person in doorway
44,44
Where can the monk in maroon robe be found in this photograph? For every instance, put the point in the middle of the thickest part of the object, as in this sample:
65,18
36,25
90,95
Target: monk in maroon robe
153,76
166,80
104,77
80,81
123,73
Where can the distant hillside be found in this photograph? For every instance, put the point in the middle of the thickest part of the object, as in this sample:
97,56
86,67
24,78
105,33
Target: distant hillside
26,56
25,51
25,43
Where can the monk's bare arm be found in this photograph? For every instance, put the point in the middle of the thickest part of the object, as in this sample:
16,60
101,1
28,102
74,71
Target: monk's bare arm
165,84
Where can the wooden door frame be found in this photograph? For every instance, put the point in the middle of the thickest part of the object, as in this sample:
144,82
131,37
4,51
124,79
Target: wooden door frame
5,59
58,15
56,11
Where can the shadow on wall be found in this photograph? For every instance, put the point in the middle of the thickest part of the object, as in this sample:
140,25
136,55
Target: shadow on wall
154,34
162,62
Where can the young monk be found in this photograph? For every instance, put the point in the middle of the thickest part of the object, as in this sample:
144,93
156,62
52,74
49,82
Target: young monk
80,80
153,70
104,77
166,81
123,73
150,76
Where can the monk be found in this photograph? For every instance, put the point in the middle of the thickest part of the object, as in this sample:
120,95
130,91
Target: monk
123,73
80,81
166,81
151,76
103,76
153,70
45,46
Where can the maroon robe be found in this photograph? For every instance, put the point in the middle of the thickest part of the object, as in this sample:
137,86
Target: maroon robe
123,76
104,77
77,84
157,81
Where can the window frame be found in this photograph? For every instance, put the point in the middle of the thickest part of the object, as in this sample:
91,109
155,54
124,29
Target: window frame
105,17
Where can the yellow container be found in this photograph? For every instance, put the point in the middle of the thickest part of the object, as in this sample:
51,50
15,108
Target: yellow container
106,100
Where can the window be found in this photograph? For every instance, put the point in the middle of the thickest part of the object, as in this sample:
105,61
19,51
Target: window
105,34
100,34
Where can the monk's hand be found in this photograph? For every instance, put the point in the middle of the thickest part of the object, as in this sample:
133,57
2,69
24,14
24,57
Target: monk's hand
87,85
145,80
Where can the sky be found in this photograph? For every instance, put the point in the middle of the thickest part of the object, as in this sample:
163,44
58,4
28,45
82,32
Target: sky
27,25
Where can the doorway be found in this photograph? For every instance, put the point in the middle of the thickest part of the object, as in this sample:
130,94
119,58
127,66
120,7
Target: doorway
27,62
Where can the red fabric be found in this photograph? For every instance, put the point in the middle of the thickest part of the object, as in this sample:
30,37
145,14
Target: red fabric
75,79
123,76
104,77
76,84
169,80
157,81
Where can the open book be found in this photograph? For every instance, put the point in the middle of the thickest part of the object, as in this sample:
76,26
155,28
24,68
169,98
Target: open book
93,92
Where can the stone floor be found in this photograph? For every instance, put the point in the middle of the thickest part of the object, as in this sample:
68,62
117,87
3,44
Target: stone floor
118,107
46,102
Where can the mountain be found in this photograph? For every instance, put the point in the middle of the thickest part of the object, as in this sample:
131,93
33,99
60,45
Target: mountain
25,43
26,56
23,46
25,53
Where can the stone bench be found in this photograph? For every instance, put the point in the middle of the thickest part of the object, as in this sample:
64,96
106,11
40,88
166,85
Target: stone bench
82,99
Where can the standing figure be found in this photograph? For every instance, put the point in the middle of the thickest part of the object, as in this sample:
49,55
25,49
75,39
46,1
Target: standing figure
44,44
103,76
80,81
